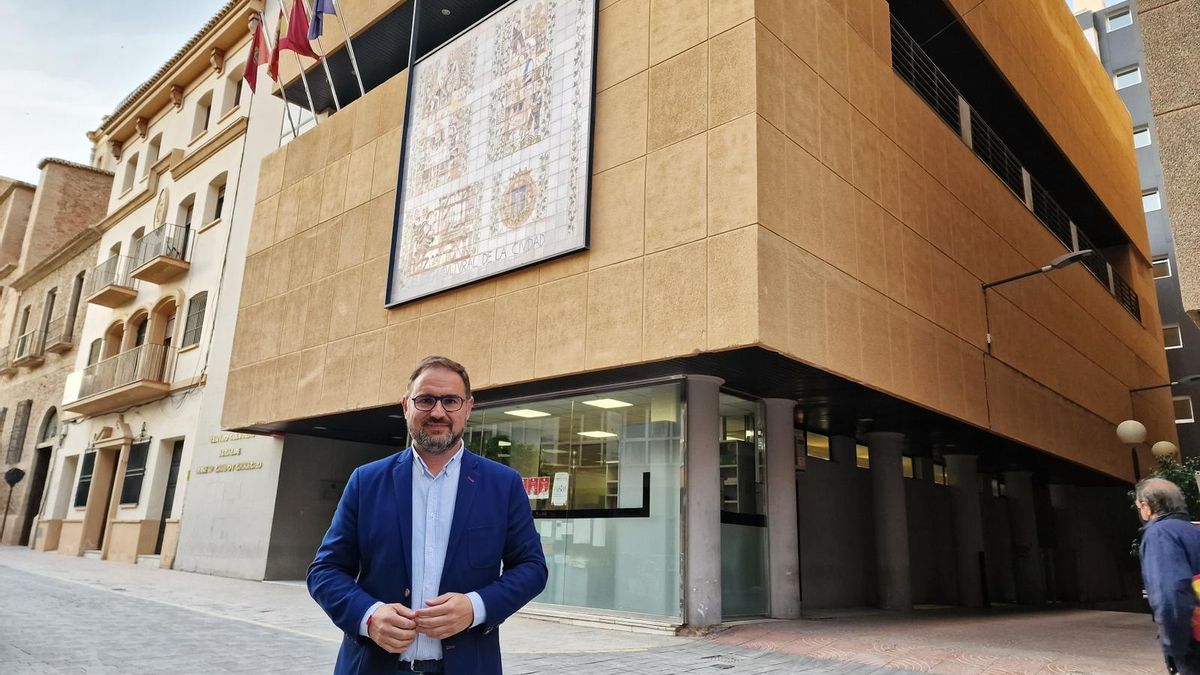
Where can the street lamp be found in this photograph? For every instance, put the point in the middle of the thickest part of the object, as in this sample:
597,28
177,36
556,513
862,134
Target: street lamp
1056,264
1133,434
1183,380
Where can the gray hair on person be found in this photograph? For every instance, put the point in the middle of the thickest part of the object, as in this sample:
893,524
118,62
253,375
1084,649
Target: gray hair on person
1161,495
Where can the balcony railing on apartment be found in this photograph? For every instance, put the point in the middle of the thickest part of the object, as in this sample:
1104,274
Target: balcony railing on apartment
110,284
161,255
915,67
132,377
58,337
6,364
28,350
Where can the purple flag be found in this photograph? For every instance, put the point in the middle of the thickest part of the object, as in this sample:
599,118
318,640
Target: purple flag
320,9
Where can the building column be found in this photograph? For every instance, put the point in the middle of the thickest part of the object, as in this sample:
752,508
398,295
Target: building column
1027,560
891,520
842,452
702,508
962,476
783,534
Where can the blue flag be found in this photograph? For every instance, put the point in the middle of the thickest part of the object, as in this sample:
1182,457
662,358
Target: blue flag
320,9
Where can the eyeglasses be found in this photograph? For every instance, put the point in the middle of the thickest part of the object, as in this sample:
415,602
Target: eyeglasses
425,403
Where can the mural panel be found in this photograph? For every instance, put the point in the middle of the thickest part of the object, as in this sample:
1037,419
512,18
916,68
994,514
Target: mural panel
497,149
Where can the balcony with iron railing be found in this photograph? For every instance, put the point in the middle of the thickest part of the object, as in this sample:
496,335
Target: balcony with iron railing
28,349
915,67
6,362
110,285
133,377
161,255
58,335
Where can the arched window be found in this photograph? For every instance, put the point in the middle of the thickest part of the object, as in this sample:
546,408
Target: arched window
152,152
215,206
201,116
130,173
113,339
232,97
194,326
49,429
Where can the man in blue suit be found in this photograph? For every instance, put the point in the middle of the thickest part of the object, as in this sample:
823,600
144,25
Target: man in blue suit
410,568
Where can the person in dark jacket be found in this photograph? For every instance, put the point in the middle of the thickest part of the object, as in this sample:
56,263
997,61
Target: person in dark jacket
1170,553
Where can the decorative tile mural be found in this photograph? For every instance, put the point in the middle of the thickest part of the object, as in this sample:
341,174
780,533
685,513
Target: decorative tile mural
497,149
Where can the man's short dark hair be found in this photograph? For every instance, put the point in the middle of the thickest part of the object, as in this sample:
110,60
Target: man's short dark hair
440,362
1161,495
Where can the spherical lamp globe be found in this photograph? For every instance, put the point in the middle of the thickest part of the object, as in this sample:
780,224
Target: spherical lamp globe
1164,449
1131,432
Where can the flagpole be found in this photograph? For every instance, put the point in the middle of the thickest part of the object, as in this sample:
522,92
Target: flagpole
349,48
324,57
307,92
287,107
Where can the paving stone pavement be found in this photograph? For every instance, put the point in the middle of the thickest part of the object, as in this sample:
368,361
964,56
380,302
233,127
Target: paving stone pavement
62,614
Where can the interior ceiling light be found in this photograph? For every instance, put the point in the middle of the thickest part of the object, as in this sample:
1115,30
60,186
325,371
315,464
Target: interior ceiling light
396,417
503,444
526,413
598,434
319,428
445,12
607,403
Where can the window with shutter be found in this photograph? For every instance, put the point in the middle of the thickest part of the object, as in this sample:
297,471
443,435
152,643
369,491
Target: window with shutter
135,471
85,478
16,440
195,320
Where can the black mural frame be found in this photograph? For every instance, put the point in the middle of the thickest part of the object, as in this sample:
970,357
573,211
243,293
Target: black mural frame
398,214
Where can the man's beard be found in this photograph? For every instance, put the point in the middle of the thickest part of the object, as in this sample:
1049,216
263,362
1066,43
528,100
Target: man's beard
435,446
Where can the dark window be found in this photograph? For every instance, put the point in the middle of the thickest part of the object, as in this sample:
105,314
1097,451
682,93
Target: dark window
220,206
85,478
195,320
135,470
76,297
94,351
16,440
49,427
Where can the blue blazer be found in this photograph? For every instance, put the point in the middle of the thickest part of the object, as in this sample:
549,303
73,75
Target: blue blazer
366,554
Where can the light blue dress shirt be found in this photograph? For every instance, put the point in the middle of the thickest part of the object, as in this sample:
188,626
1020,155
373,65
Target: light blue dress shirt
432,514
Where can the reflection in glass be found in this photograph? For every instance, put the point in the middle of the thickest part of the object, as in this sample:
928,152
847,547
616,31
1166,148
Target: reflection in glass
743,509
590,452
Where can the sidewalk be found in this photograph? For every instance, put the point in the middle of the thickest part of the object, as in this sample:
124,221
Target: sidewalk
66,614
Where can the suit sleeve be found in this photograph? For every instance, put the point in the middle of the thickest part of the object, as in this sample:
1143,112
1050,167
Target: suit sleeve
1168,579
525,572
332,575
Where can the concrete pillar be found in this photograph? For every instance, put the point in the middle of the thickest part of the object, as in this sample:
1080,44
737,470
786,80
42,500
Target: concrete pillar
1027,561
702,508
891,520
962,476
841,451
783,534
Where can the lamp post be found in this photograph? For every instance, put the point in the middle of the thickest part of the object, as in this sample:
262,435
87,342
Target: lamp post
1133,434
1183,380
1056,264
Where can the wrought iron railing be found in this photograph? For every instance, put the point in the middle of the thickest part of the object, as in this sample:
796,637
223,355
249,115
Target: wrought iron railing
164,241
28,345
915,67
111,272
148,362
56,332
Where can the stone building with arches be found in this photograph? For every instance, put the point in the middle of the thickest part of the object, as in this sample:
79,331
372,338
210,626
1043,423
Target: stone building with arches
42,273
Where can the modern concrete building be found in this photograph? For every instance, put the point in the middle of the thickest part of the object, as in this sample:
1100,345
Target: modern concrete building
721,279
1113,30
1169,30
186,168
46,248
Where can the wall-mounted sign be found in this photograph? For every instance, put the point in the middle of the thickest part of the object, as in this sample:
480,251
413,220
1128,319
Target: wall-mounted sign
497,149
537,487
560,489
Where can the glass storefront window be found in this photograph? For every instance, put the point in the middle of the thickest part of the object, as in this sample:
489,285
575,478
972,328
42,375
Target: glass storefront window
743,509
589,453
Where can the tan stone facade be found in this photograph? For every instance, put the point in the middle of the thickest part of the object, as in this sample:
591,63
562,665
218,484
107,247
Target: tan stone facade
761,178
1169,30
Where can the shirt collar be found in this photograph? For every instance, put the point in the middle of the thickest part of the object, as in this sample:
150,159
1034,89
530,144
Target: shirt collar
454,460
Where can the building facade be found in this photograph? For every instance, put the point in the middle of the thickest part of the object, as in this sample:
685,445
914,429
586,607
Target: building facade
1168,32
770,370
185,168
43,276
1113,30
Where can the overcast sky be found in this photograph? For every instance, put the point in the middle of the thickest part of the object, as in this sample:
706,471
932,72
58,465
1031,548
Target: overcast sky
64,64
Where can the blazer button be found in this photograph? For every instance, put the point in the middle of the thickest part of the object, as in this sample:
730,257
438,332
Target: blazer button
407,592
